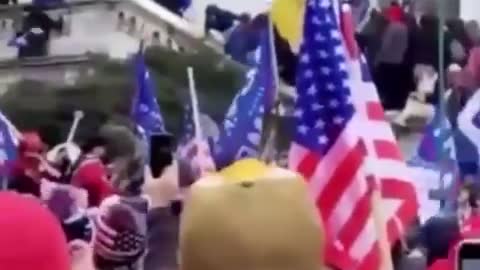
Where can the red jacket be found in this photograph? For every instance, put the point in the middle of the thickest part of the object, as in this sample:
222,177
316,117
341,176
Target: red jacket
91,175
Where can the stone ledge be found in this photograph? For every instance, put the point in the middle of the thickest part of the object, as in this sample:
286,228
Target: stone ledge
44,61
76,3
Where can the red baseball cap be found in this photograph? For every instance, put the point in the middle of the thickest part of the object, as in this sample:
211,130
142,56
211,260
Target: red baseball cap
31,238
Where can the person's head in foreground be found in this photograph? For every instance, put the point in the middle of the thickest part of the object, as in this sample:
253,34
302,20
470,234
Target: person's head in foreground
250,216
31,238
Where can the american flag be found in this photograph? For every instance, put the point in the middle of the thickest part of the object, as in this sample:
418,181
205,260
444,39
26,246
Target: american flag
124,246
332,148
387,164
186,149
194,150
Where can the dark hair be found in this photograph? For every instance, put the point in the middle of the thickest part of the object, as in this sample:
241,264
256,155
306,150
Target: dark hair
473,190
135,176
93,142
131,177
244,18
459,32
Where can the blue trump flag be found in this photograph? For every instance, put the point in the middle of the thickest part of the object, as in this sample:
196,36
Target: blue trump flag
436,155
146,111
8,147
469,126
241,133
437,144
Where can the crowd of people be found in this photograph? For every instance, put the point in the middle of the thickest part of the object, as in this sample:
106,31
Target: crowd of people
86,190
97,207
104,196
399,47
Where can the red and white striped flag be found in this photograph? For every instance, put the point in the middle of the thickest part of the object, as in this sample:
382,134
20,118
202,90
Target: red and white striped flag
332,146
120,233
197,153
399,198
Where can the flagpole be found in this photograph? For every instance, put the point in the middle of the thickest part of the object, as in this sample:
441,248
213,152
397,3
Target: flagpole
271,116
194,101
274,62
77,117
441,85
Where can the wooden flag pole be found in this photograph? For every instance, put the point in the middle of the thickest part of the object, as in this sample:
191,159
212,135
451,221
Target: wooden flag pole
194,102
271,116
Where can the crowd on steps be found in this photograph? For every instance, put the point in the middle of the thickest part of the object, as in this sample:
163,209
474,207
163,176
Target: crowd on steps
399,47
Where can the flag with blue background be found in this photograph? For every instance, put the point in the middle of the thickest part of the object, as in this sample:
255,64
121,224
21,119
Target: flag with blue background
435,166
240,135
146,111
468,122
438,144
8,147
